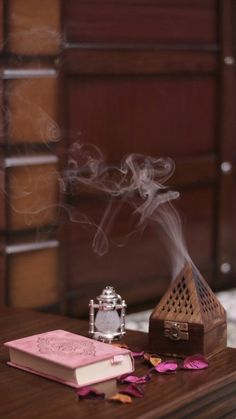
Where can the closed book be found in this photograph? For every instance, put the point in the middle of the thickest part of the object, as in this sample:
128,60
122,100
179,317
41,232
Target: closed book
69,358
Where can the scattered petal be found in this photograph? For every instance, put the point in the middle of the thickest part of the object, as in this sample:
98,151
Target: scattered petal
155,360
195,362
89,393
166,367
138,354
146,356
152,359
133,390
129,379
134,379
121,398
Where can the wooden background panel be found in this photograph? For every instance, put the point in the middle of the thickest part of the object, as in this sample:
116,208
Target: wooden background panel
33,278
3,113
33,110
2,274
93,21
33,27
136,268
196,170
226,211
174,117
188,172
143,60
32,196
1,25
2,198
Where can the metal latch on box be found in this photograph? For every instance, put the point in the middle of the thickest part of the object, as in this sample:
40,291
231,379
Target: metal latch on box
176,330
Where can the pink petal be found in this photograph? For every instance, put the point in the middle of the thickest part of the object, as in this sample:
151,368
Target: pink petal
133,390
89,393
138,354
195,362
134,379
166,367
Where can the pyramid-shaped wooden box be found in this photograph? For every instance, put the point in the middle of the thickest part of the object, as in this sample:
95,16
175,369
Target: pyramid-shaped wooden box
189,319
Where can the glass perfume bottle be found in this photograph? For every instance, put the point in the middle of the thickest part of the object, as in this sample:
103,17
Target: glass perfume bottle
107,317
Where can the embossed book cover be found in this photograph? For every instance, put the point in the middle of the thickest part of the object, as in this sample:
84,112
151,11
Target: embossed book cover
69,358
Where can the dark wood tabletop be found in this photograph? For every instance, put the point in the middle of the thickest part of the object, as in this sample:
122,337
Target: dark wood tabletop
202,394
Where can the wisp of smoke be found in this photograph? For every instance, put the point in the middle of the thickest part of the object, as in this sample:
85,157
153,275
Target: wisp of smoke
140,181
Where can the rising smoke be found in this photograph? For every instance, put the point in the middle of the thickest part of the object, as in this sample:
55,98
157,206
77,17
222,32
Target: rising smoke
140,181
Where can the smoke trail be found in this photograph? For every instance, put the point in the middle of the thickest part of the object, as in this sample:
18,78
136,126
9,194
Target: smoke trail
39,123
140,181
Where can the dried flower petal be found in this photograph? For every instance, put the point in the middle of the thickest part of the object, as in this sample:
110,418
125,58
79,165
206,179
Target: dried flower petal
138,354
147,356
89,392
121,398
134,379
166,367
133,390
152,359
195,362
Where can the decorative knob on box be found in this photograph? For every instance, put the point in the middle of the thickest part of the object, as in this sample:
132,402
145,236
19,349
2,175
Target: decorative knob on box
107,317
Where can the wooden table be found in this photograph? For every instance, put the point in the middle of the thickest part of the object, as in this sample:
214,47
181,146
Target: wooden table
203,394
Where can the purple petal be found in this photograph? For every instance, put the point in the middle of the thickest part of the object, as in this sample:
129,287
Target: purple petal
166,367
133,390
134,379
128,379
89,393
144,379
195,362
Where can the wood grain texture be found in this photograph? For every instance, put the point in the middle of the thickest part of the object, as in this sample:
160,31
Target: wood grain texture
3,285
159,117
33,194
194,170
147,78
1,25
3,212
189,301
33,278
2,113
33,27
33,110
226,201
189,172
208,393
123,60
29,125
136,21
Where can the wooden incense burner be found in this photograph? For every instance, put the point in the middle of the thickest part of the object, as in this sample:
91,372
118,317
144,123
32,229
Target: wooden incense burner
189,319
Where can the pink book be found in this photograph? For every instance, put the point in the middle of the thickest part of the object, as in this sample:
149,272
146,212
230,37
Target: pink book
69,358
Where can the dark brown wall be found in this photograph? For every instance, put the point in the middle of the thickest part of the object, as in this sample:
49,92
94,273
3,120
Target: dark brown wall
128,76
151,78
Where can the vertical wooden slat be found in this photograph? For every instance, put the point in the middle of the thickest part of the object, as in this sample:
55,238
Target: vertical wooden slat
2,275
2,178
225,245
34,27
1,25
28,127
